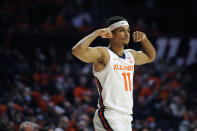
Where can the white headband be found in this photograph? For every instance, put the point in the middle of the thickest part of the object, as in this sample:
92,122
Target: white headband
118,24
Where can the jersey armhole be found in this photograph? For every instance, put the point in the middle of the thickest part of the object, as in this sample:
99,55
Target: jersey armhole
129,52
104,69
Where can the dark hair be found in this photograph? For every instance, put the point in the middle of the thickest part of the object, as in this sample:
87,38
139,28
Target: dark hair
114,19
46,128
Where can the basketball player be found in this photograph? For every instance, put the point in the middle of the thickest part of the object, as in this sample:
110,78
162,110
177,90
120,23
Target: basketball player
113,68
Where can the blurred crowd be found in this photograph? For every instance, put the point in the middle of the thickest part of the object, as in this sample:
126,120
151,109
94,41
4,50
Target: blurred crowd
64,16
58,92
50,90
82,16
46,15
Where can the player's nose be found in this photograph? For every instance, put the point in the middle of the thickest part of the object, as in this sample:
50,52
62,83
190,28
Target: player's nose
126,34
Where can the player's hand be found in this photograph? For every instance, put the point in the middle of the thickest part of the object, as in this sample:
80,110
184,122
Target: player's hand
104,33
138,36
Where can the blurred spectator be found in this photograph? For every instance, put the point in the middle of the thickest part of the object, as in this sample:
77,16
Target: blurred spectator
65,99
28,126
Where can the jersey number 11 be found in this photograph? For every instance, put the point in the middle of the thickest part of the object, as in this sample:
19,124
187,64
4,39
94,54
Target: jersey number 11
125,75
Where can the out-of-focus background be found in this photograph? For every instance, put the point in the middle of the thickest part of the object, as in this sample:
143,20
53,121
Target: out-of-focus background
42,82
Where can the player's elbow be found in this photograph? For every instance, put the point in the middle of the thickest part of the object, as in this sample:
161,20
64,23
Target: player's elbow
80,54
75,51
153,57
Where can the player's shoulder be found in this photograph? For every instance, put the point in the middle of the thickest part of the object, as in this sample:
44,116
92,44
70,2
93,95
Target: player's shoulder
104,54
133,52
130,50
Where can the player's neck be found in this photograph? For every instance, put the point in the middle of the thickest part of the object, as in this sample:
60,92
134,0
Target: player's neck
118,49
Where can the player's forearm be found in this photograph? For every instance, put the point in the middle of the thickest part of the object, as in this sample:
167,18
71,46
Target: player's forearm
84,43
148,49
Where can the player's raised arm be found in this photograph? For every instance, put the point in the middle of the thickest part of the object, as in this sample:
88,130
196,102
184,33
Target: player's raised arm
90,54
148,53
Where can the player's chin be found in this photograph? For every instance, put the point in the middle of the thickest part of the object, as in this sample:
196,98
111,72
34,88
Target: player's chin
126,42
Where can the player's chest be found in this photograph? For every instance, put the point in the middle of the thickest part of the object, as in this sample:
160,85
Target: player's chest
120,64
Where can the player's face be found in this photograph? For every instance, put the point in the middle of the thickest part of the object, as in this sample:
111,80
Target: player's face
122,34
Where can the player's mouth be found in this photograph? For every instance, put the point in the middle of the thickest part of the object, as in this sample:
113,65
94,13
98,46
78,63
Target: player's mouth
125,38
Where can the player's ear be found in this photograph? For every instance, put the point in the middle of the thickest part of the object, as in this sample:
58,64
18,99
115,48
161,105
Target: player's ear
113,32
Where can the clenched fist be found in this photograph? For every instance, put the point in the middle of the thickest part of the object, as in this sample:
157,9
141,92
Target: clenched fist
104,33
138,36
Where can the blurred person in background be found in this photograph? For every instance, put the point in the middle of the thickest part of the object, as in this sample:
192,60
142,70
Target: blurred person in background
28,126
